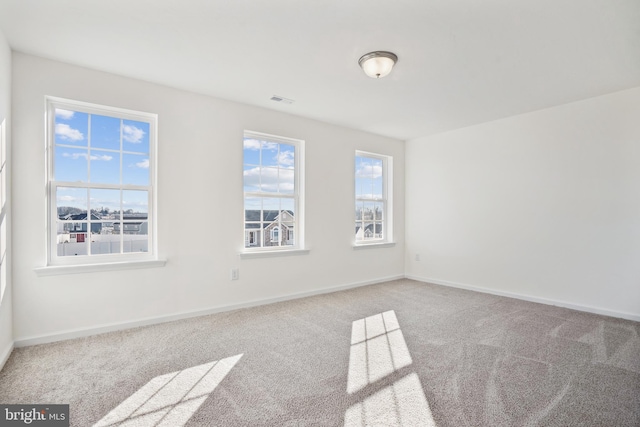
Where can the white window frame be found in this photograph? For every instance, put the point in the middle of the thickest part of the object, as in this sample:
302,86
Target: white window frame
53,260
386,200
297,196
4,229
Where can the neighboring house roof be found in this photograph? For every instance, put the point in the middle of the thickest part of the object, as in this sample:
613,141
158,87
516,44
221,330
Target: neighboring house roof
79,217
369,227
140,216
94,217
270,216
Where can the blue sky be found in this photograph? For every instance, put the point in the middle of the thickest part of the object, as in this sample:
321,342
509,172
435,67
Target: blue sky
269,167
99,149
368,177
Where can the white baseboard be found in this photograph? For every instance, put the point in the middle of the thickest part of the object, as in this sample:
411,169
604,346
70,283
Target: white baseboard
5,356
111,327
547,301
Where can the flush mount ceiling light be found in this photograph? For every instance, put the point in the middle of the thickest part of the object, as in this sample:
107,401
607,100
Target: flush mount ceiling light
377,64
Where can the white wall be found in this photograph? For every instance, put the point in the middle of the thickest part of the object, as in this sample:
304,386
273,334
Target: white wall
6,324
200,208
544,205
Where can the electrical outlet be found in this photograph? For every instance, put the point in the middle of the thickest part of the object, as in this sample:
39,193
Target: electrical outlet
235,273
417,257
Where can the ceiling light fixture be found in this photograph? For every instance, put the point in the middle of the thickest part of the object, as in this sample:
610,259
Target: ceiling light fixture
377,64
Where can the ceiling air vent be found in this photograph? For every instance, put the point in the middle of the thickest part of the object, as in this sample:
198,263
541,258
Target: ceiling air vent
282,99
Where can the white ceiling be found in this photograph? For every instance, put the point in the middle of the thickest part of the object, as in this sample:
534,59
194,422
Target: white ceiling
461,62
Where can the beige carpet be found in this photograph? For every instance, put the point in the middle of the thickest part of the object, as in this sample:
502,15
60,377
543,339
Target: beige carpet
402,353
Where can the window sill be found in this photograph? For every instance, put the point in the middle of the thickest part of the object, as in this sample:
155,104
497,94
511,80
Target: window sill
55,270
374,245
270,254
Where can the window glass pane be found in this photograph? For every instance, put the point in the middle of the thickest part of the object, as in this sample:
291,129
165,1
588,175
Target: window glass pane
367,212
270,226
135,236
376,168
286,181
287,237
105,204
376,191
105,167
106,240
287,205
105,132
252,208
71,201
72,227
368,230
251,178
287,222
135,170
269,180
251,151
269,153
286,158
70,164
270,208
135,136
135,204
71,127
271,204
378,209
377,230
363,167
73,243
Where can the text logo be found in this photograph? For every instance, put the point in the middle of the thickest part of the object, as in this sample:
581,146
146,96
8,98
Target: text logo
34,415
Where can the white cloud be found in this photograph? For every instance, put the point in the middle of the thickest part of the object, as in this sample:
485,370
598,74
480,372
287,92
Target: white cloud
269,179
369,171
66,198
76,156
132,134
143,164
254,144
68,133
286,158
251,144
64,114
370,196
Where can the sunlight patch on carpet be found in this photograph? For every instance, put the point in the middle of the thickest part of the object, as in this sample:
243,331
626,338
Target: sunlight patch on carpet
378,349
170,399
401,404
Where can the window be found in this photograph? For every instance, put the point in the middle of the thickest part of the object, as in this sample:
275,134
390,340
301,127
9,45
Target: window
275,232
101,183
272,192
4,241
373,198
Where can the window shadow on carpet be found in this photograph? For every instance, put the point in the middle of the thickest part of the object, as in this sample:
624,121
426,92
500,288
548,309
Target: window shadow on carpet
170,399
378,350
